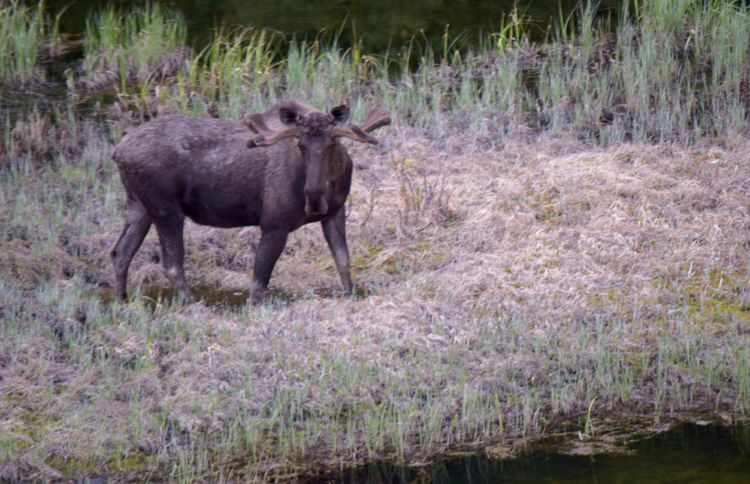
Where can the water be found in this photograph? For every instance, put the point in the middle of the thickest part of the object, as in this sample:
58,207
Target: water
210,296
232,299
379,24
688,453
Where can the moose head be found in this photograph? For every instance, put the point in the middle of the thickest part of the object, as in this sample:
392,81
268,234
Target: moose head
317,135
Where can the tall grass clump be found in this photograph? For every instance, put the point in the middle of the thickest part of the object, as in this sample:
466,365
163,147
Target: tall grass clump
234,69
658,77
248,69
137,45
668,71
22,31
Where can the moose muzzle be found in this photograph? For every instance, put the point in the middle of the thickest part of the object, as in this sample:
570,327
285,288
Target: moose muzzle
315,202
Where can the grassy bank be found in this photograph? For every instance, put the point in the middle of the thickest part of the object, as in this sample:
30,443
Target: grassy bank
550,281
527,256
654,71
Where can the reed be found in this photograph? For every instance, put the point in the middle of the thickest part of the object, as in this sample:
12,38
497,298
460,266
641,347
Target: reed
135,46
22,32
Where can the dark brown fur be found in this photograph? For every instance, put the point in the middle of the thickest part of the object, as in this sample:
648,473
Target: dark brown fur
222,174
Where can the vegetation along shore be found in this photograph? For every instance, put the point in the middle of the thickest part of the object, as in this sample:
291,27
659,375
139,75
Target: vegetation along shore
551,235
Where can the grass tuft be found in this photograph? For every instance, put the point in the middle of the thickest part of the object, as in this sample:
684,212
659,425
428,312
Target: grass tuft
22,31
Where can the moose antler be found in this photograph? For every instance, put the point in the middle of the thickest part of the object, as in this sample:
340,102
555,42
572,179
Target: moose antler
376,118
290,112
285,115
265,136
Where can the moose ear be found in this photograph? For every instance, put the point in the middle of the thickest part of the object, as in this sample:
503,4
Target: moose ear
340,113
289,116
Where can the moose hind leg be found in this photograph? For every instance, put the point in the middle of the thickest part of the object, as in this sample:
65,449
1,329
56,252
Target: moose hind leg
269,250
136,227
334,229
173,252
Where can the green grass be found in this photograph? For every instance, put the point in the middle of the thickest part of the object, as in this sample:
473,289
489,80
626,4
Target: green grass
28,36
677,71
135,45
654,71
22,31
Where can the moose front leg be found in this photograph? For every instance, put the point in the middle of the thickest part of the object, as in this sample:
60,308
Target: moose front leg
334,229
271,246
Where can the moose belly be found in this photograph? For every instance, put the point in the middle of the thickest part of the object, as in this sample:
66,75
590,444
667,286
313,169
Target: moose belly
221,210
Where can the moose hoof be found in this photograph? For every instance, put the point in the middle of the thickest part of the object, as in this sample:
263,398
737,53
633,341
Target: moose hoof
185,296
256,297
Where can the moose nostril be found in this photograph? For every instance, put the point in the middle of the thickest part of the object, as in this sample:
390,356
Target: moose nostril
316,206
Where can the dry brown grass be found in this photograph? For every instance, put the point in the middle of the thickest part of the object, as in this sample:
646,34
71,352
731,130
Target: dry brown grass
544,226
523,281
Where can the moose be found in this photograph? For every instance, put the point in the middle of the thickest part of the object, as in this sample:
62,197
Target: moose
279,170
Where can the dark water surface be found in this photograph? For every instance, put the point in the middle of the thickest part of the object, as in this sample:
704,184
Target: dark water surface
231,299
379,24
688,453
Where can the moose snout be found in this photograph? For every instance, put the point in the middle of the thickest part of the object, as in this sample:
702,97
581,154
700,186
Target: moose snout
315,202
